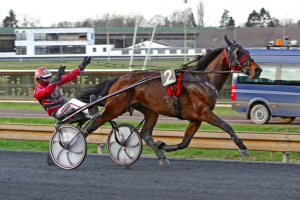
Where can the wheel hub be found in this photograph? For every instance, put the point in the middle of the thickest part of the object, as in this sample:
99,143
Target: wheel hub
260,114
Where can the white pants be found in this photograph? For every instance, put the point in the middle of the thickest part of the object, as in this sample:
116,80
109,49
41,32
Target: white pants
71,105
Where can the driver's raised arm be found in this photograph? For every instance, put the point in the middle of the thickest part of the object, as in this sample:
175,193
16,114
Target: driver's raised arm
74,73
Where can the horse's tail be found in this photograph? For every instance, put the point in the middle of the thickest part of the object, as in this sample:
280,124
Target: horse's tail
100,89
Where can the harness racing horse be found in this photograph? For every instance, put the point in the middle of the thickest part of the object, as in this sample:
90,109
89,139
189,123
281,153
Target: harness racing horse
199,92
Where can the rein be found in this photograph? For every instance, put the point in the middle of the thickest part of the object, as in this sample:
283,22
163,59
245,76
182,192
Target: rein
102,64
206,72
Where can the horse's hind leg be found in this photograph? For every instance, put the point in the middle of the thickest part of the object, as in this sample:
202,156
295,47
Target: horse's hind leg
208,116
146,132
189,133
112,111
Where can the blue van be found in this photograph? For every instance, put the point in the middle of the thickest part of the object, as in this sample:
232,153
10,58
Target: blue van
275,93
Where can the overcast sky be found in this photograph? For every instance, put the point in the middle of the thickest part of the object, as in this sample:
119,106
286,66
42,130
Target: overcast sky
54,11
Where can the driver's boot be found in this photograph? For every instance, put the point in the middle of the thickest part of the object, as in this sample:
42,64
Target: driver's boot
93,109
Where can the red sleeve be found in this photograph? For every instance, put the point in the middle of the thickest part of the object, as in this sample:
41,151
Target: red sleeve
41,93
69,77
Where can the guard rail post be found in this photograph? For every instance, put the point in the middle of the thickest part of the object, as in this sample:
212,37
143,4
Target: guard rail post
100,148
286,157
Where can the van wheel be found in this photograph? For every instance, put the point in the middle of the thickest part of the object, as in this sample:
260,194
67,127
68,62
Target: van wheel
260,114
287,119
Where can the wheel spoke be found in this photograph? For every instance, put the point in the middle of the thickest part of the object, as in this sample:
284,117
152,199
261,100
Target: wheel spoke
59,154
138,144
72,164
125,150
118,154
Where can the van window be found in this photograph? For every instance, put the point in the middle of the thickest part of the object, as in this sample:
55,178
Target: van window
267,77
290,74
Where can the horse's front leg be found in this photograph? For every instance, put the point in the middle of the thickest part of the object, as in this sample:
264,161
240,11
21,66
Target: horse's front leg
208,116
189,133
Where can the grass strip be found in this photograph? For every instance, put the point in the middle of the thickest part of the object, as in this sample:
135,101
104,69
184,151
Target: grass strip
164,125
36,106
147,151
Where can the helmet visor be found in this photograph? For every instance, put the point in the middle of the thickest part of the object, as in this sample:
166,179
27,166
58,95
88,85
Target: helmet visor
46,76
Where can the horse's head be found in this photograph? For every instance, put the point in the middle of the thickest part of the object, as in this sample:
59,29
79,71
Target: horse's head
239,59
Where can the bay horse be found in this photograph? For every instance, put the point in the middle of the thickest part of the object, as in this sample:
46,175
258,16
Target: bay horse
197,97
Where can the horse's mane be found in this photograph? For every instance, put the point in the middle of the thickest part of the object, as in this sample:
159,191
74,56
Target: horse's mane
203,61
209,56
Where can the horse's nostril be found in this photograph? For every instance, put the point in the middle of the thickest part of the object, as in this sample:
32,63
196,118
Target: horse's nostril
257,70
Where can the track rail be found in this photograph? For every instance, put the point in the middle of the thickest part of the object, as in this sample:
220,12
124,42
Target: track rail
275,142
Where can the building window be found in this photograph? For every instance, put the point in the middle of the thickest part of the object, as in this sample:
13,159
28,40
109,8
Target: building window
40,50
161,51
40,36
92,36
44,50
21,50
21,36
104,49
173,51
125,52
52,37
94,49
82,37
137,51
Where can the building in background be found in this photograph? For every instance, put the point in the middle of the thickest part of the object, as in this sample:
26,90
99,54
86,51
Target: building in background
116,41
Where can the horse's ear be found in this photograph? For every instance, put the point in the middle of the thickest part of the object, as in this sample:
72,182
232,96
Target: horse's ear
227,41
234,41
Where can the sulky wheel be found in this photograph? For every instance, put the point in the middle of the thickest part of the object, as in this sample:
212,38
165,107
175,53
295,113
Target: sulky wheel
128,152
71,152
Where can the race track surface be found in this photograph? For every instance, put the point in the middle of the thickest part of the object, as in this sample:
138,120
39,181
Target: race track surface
25,175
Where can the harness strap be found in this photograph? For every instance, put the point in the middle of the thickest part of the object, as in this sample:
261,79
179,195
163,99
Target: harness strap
212,87
177,108
174,90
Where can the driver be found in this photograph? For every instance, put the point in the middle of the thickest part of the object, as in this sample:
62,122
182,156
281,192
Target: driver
48,94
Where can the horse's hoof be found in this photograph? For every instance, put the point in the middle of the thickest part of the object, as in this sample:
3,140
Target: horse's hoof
159,144
244,152
164,162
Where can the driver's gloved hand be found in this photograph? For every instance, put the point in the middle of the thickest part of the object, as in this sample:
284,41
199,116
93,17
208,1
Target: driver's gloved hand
61,70
57,77
85,62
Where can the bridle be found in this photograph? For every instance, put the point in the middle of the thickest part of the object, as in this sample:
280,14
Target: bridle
235,61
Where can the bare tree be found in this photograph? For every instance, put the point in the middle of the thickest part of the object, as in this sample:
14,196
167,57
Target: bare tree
102,21
117,20
159,20
288,22
87,23
63,24
200,13
30,22
177,19
131,19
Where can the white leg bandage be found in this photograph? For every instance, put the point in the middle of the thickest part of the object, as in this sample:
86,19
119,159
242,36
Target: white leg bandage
73,104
